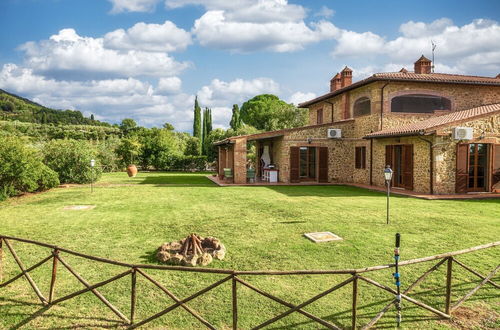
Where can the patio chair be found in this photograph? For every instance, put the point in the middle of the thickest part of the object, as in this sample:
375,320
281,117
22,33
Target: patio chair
228,173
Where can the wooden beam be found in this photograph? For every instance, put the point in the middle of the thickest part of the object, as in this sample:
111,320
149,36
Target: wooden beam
476,273
449,272
416,302
21,274
54,274
287,304
92,288
354,301
25,273
296,308
471,292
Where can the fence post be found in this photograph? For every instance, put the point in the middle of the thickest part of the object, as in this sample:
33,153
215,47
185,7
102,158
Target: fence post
354,300
55,252
448,285
235,303
133,296
1,260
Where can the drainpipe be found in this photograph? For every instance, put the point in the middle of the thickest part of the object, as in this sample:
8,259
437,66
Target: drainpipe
431,162
382,103
330,103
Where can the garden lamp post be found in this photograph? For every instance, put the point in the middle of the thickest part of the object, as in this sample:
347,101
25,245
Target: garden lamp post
388,178
92,164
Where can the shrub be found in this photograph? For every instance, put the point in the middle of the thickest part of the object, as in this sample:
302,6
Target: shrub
22,170
71,160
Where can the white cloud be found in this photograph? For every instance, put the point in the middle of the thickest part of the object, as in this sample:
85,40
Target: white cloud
214,30
249,25
170,85
166,37
471,48
300,97
220,96
120,6
68,54
325,12
110,100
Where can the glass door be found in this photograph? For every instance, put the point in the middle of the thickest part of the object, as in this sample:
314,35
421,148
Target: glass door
478,160
307,166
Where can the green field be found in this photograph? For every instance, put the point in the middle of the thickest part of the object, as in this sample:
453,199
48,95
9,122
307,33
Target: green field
262,228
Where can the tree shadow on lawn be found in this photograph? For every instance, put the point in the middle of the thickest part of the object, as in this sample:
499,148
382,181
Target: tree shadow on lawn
180,179
74,324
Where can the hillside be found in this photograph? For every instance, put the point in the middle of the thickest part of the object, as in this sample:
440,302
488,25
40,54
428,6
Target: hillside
14,107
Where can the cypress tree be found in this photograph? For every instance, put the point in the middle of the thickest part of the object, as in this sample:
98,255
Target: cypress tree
204,132
197,120
235,122
209,121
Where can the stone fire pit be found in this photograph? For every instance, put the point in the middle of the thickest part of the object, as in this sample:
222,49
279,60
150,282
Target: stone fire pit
191,251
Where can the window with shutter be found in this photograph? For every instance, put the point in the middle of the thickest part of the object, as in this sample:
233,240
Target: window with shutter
360,157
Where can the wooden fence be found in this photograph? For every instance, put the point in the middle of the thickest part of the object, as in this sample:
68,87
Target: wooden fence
234,276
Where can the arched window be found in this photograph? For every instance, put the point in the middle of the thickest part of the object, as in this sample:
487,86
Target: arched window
419,103
361,107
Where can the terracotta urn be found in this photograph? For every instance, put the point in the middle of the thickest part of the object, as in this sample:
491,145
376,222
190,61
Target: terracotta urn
132,171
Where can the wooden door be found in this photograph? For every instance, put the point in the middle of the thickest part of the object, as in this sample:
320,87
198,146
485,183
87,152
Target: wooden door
400,158
477,167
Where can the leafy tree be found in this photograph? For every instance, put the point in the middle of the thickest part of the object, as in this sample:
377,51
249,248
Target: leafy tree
209,121
92,117
235,122
128,150
204,132
71,160
168,127
22,169
192,146
127,125
267,112
197,120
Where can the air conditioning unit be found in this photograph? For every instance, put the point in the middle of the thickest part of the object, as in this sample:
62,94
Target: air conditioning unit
463,133
334,133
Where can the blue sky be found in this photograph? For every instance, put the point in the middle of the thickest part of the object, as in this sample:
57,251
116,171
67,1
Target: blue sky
147,59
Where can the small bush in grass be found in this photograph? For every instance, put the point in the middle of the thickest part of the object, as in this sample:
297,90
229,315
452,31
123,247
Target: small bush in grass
71,160
22,169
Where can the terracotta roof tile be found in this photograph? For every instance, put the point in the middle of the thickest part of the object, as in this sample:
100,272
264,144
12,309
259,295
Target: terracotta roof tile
428,125
411,76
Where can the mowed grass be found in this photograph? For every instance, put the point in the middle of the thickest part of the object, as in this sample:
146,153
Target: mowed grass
262,228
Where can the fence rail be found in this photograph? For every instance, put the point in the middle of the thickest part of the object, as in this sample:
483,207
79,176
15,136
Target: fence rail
234,276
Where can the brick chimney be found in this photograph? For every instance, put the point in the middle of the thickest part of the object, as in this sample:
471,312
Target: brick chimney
335,83
345,77
423,65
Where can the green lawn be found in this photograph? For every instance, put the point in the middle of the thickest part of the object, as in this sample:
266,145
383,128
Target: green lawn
262,228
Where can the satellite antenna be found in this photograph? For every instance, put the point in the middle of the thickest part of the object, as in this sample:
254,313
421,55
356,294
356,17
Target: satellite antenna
433,48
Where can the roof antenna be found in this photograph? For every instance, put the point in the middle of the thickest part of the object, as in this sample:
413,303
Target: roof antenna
433,48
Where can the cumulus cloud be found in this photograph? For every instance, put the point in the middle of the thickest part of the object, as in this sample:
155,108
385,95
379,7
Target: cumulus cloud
170,85
472,48
300,97
120,6
110,99
249,25
221,95
68,54
214,30
166,37
325,12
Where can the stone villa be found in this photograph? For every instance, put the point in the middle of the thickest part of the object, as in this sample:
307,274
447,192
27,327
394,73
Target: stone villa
440,133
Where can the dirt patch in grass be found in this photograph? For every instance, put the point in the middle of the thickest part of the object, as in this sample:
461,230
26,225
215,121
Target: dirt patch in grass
479,316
